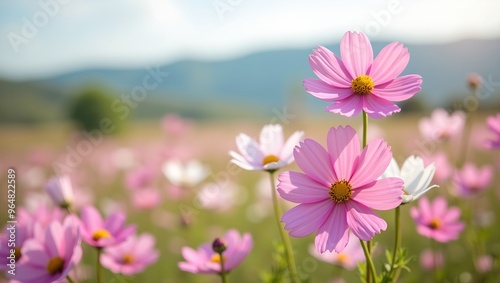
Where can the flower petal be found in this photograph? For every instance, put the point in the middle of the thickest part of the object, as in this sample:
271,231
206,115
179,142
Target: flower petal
392,170
329,68
363,222
271,139
399,89
305,218
348,107
372,162
343,146
287,151
383,194
377,107
314,161
356,52
326,92
299,188
91,219
389,63
334,233
249,149
242,162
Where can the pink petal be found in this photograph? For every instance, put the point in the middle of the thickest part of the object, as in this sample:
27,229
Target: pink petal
54,240
326,92
334,233
329,68
314,161
372,162
390,62
306,218
452,215
114,223
297,187
348,107
383,194
343,146
439,207
377,107
91,219
363,222
399,89
356,52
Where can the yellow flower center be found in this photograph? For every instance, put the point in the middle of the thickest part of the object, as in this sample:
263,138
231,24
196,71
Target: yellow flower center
362,84
128,259
340,191
216,258
55,265
100,234
270,159
17,253
434,224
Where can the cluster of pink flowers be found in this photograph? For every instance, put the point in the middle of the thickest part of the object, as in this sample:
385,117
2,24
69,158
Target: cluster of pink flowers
48,243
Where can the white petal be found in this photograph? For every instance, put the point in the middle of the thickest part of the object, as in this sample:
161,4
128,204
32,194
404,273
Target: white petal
392,170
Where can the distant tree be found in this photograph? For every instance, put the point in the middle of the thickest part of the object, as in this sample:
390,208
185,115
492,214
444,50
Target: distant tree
91,109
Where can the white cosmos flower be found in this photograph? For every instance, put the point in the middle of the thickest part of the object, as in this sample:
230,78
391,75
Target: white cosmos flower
60,191
189,174
415,175
271,153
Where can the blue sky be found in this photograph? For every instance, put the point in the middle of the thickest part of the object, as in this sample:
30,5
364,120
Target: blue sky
48,37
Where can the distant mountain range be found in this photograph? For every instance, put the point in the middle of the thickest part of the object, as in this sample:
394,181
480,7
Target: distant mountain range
262,80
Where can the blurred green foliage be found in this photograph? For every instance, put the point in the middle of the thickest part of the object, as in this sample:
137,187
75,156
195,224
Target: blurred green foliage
92,109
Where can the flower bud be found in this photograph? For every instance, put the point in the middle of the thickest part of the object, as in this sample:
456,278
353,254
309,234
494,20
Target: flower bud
219,245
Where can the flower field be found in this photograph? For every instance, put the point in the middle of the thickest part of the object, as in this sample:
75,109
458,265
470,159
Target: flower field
362,193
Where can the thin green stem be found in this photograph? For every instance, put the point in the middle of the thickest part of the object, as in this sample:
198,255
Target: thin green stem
464,144
368,243
222,269
284,237
98,266
369,261
365,129
397,241
69,279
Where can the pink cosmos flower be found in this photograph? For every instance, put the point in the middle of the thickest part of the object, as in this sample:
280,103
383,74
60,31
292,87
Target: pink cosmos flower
474,81
357,81
471,180
205,260
443,166
60,191
441,126
338,189
104,233
484,263
437,221
430,259
51,254
494,126
146,198
348,258
139,177
131,256
270,154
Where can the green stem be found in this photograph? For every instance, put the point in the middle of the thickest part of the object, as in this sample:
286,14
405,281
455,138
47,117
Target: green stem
397,241
284,237
365,129
98,266
464,144
369,266
368,243
69,279
222,269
